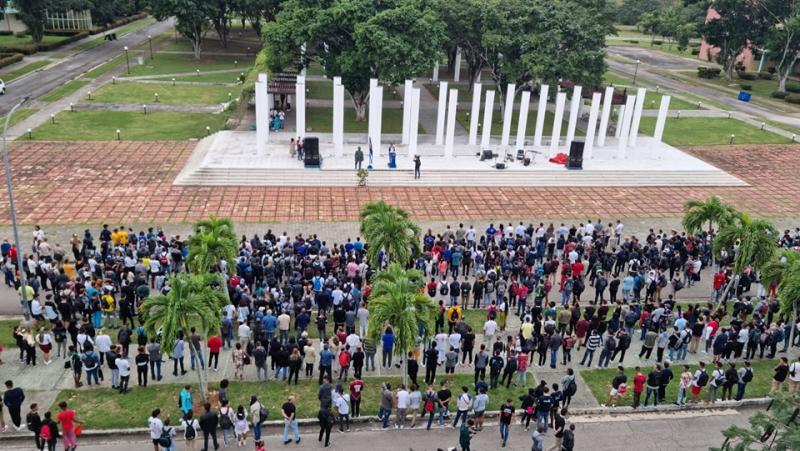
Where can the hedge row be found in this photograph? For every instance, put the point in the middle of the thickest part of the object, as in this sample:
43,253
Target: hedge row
8,59
117,23
708,72
29,49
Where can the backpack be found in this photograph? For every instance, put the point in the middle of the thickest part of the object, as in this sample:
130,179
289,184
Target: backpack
443,290
611,343
165,440
225,420
90,360
568,442
571,388
492,314
263,414
454,316
748,375
432,291
703,379
428,405
190,432
45,433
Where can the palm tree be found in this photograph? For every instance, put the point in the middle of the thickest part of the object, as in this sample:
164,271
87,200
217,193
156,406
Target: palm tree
756,241
190,301
389,229
783,271
397,299
212,241
712,211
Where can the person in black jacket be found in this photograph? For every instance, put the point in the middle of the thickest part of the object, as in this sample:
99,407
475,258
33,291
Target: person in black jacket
13,399
326,420
412,367
208,424
53,431
664,380
431,356
34,423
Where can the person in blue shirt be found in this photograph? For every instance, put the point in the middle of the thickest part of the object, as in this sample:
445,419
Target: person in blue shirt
325,363
349,246
388,346
303,320
270,323
185,398
358,246
543,405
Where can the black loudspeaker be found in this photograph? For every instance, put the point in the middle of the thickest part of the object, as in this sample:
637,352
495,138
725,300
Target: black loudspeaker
486,155
526,161
500,166
311,152
575,155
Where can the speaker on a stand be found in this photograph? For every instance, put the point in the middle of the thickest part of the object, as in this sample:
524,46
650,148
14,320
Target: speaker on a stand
311,158
575,155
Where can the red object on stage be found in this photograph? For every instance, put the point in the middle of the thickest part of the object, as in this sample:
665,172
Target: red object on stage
560,158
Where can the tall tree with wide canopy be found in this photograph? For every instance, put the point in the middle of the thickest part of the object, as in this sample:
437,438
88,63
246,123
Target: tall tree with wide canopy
740,26
356,39
397,300
464,22
698,213
193,18
257,11
751,241
190,302
783,271
388,229
783,36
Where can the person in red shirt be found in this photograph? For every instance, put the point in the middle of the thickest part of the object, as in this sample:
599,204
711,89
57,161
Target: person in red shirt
638,386
577,269
581,327
68,418
719,284
214,345
356,387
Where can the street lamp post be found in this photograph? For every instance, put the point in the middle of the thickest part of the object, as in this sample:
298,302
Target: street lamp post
22,280
150,41
127,59
636,71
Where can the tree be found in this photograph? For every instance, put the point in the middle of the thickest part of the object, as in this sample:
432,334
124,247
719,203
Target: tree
783,272
783,38
190,302
630,12
464,22
257,11
751,241
388,229
357,40
684,35
696,213
221,20
193,18
33,14
740,26
212,241
397,300
777,428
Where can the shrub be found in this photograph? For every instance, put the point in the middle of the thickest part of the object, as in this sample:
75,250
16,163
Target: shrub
708,72
771,70
791,98
657,42
61,32
746,75
779,94
9,59
793,87
632,41
695,51
21,34
6,32
25,49
746,86
765,76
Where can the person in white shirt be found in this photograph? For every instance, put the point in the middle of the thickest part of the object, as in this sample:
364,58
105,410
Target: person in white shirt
455,341
618,229
794,376
463,403
403,400
441,345
124,367
342,404
103,342
244,334
353,341
156,428
363,320
489,329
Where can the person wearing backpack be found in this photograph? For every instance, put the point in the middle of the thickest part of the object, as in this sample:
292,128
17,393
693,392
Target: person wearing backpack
49,431
570,387
168,434
34,423
745,376
258,415
429,402
156,427
716,380
226,421
700,380
794,377
609,347
190,427
568,441
731,379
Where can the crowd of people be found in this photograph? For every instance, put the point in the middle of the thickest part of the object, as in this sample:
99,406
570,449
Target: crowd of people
283,288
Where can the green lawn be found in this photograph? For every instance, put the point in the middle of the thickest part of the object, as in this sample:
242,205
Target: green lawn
184,63
25,40
323,90
761,88
321,120
107,409
315,69
14,74
145,93
7,335
121,31
64,90
698,131
101,126
220,78
652,99
497,122
464,94
108,66
598,381
19,116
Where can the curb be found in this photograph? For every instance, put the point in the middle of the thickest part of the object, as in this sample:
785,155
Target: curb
627,410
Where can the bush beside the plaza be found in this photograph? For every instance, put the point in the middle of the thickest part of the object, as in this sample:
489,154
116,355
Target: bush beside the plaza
10,58
766,76
746,86
793,98
779,94
746,75
793,87
708,72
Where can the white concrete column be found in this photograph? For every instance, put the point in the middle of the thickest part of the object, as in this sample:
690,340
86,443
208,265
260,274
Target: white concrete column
338,116
452,106
375,116
488,110
608,97
522,122
300,106
440,113
262,115
561,99
663,111
620,116
406,109
591,126
507,114
414,122
541,112
457,66
574,112
303,58
637,115
474,114
630,105
435,76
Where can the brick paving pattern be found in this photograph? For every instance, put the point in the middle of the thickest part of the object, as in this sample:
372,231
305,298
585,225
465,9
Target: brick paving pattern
95,182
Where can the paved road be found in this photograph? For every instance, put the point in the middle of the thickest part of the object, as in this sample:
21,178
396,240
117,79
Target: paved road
41,82
656,59
687,431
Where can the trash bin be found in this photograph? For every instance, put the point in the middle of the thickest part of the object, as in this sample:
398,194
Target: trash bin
744,96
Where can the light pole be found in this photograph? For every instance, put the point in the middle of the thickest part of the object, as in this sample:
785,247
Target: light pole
636,71
22,282
127,59
150,41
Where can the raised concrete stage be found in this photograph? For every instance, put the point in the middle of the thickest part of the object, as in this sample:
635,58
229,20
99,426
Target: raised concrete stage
230,158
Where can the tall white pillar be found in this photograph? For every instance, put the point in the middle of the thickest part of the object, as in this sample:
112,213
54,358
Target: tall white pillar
375,116
507,114
452,105
591,126
574,111
414,122
262,115
338,116
608,97
300,106
457,66
475,114
637,115
406,110
626,127
522,122
488,110
302,58
435,76
440,113
561,99
663,111
541,112
620,117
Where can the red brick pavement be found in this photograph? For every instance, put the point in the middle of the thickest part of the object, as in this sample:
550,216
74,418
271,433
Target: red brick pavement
95,182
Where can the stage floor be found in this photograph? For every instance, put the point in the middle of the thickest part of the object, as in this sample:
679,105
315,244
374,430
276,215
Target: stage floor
231,158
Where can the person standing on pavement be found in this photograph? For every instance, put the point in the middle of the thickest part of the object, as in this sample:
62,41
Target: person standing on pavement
417,164
568,442
34,424
559,424
326,421
481,362
208,424
156,427
68,418
359,158
13,399
403,401
289,412
506,416
431,356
